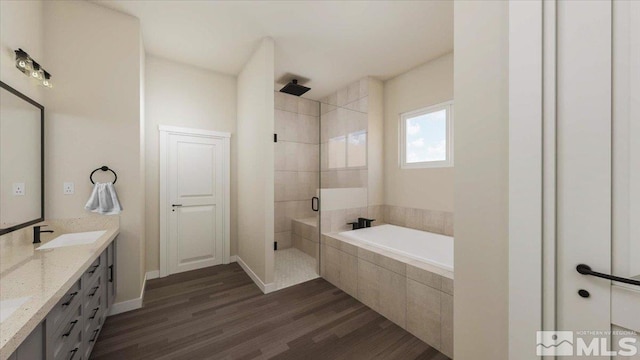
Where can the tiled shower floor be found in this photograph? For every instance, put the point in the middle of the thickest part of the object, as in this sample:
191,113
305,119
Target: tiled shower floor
293,267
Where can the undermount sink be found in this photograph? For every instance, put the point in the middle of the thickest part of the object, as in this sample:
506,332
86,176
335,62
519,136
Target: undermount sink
83,238
9,306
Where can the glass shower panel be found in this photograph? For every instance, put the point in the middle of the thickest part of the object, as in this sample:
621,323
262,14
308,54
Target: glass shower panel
343,159
297,180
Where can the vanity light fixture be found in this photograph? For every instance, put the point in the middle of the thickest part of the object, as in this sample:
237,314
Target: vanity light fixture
32,69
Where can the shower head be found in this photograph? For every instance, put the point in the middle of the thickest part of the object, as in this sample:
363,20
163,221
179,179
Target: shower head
294,88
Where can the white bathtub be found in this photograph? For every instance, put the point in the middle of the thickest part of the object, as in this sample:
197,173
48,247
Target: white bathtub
434,249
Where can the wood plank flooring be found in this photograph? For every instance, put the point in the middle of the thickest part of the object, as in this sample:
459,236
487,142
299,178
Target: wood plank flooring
219,313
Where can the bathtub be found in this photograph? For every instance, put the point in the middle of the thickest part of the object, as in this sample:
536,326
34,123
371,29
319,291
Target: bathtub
434,249
406,275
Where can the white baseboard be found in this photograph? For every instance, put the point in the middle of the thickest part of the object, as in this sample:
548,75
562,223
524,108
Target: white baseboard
128,305
153,274
266,288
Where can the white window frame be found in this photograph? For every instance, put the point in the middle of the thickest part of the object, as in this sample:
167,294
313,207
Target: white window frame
448,162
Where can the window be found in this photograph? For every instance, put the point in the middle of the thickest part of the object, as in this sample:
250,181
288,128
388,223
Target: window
427,137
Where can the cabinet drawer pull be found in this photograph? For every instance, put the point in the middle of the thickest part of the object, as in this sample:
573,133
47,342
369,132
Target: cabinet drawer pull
110,273
93,269
71,296
73,324
73,353
95,290
95,311
95,335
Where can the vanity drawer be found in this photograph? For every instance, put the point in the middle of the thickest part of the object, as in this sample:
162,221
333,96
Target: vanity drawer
97,289
92,328
95,269
67,336
94,314
65,306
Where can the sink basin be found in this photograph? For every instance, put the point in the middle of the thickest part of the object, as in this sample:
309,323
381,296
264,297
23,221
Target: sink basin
73,239
9,306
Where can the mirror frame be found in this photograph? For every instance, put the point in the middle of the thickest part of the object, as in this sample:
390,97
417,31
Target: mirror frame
36,104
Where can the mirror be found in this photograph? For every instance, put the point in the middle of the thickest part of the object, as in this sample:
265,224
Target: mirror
21,160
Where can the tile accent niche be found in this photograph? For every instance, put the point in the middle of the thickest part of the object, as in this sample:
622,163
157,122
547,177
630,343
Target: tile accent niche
297,152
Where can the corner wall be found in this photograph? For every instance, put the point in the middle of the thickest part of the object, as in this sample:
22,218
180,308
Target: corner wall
430,189
256,163
482,180
93,118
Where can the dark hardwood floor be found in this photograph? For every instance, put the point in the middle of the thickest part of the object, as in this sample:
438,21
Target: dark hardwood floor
219,313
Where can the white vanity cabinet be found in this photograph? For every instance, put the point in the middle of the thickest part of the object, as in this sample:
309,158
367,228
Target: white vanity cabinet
71,328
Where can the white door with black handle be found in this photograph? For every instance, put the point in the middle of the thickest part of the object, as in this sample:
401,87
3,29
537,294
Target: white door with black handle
598,177
195,200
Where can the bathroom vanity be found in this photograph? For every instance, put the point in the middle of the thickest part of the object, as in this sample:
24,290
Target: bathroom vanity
56,298
54,294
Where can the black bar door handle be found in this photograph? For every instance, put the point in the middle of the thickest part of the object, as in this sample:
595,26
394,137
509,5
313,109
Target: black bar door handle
315,203
176,205
586,270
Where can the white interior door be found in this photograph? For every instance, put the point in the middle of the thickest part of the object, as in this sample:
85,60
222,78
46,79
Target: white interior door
194,201
598,174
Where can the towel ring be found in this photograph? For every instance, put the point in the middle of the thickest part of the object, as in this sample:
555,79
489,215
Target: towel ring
103,168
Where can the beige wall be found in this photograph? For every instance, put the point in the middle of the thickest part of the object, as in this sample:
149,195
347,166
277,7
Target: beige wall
481,181
185,96
93,119
256,161
21,26
428,84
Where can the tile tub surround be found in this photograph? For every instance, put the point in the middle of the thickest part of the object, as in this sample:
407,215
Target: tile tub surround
439,222
305,236
416,296
297,152
44,275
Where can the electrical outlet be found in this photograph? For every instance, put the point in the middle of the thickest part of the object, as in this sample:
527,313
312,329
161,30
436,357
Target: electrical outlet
19,189
68,188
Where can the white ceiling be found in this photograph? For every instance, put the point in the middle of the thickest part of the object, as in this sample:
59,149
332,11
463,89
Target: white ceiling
330,42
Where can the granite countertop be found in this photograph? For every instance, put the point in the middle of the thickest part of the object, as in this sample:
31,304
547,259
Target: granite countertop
38,279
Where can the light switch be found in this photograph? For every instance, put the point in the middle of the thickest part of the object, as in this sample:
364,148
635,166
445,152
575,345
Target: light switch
18,189
68,188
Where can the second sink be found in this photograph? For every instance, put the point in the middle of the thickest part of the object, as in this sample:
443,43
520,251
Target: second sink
73,239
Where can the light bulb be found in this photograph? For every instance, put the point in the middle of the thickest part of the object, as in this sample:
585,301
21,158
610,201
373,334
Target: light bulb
47,80
23,62
37,73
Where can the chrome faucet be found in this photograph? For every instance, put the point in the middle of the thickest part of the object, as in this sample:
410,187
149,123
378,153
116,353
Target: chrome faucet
37,232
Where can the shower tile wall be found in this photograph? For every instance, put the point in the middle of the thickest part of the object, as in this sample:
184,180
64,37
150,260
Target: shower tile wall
344,137
296,162
344,143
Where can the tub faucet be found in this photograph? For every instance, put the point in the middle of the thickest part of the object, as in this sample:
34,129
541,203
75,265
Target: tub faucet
365,223
354,225
361,223
37,232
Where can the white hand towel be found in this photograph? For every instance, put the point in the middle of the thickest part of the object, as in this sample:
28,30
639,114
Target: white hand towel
104,199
